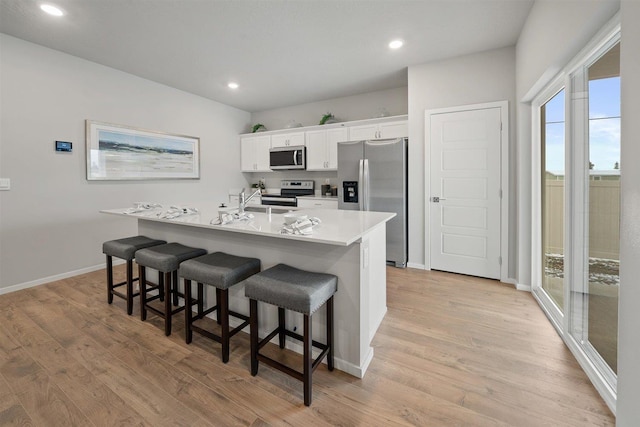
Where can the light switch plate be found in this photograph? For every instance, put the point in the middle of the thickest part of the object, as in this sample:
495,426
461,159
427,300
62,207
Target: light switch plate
5,184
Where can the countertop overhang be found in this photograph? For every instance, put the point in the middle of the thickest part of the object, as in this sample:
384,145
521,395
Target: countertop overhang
337,227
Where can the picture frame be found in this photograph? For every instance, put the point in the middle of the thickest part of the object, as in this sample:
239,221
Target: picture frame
119,152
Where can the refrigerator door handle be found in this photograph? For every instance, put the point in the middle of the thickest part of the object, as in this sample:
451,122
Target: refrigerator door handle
361,184
365,185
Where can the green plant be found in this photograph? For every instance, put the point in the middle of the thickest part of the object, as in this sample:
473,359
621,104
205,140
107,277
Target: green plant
326,117
257,127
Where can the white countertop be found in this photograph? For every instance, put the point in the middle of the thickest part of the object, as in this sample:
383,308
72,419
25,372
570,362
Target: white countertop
338,227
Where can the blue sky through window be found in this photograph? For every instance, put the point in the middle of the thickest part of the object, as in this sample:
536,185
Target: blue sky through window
554,134
604,126
604,123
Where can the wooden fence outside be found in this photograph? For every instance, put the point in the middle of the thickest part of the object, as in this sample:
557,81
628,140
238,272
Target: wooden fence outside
604,218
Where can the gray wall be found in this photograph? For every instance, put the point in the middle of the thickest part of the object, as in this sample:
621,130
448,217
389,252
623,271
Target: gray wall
628,410
554,33
471,79
49,221
356,107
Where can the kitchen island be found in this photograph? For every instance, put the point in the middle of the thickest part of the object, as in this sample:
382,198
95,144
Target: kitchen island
349,244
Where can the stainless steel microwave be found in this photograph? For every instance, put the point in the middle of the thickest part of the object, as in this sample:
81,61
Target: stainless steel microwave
282,158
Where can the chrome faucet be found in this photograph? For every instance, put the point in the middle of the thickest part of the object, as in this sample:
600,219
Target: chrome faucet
242,200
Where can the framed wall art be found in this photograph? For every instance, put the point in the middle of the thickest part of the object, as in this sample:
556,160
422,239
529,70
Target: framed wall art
116,152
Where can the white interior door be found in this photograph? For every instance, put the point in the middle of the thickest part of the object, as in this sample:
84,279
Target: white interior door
465,192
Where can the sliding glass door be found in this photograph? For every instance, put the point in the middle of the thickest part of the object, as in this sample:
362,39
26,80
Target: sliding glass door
595,322
552,147
577,170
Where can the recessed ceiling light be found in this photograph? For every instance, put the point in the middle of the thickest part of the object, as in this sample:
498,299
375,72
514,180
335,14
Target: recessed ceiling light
233,85
396,44
51,10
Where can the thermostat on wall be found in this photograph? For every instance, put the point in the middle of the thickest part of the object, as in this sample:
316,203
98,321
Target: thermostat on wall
64,146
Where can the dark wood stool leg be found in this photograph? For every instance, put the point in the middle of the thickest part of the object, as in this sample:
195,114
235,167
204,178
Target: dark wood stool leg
253,327
223,302
330,333
129,287
187,311
175,287
200,300
281,327
161,286
143,292
218,309
167,302
308,360
109,279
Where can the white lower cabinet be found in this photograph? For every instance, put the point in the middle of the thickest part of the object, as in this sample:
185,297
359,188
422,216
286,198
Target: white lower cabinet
309,203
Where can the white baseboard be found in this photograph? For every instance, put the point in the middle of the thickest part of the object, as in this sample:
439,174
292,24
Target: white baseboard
38,282
416,265
518,286
521,287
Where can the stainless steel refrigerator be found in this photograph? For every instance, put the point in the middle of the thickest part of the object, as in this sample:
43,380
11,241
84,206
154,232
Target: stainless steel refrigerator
372,176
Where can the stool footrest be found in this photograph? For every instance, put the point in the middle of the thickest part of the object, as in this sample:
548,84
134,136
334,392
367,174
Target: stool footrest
161,313
218,338
281,367
124,296
135,279
284,368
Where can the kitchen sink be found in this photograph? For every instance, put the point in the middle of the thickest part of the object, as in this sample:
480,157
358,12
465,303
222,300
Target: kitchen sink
263,209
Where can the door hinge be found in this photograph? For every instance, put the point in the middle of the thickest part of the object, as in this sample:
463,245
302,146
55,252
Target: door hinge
499,260
500,193
500,125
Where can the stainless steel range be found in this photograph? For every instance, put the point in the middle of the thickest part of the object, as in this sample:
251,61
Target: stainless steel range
289,189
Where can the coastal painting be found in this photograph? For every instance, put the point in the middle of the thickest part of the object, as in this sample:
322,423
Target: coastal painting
117,152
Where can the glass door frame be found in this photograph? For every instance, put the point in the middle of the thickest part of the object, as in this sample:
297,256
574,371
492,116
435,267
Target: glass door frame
555,315
574,80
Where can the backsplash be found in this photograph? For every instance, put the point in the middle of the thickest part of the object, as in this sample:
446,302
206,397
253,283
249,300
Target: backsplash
272,179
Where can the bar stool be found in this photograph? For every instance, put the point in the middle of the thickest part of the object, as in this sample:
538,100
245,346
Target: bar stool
222,271
125,249
165,259
298,290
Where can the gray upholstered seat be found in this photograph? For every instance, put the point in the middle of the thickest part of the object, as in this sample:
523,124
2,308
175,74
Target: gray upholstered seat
167,257
291,288
297,290
127,247
222,271
219,269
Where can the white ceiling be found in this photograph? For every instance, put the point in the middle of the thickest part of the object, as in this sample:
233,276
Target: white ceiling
281,52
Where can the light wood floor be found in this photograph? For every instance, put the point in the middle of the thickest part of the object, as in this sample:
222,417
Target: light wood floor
452,350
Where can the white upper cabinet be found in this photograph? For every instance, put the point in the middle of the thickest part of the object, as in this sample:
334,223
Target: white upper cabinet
287,139
322,148
321,141
396,129
254,153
